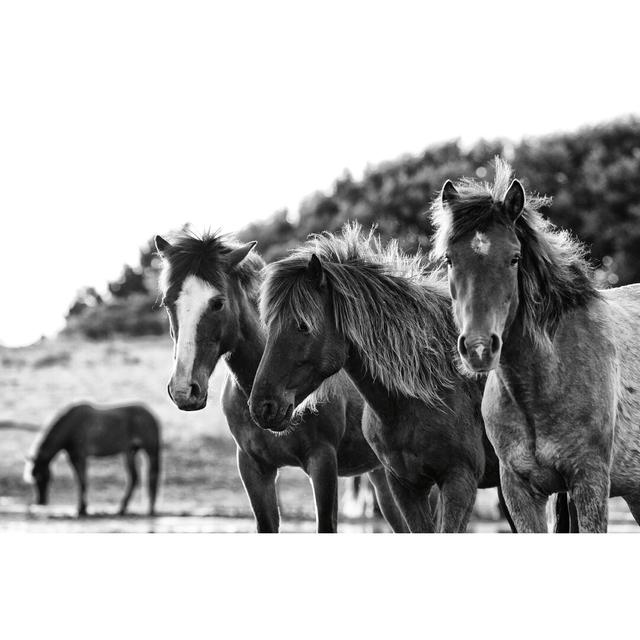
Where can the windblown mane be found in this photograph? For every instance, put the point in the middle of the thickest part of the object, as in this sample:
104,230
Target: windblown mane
205,257
554,274
385,304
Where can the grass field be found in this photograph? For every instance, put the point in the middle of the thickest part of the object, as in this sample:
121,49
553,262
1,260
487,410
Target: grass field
201,489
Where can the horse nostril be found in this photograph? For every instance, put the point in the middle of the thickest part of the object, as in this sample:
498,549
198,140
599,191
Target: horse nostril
494,344
268,410
462,347
194,389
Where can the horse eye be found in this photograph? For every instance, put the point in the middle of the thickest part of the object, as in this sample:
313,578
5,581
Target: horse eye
217,304
303,327
515,260
447,260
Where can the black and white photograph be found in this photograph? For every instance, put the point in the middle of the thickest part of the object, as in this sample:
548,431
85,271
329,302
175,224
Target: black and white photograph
309,268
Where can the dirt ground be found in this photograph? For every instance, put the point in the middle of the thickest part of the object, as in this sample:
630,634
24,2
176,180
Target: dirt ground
201,490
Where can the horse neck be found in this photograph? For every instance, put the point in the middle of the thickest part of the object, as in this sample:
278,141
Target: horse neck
53,441
377,396
244,358
525,363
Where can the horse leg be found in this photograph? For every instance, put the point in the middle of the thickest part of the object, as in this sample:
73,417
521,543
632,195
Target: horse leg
505,509
153,456
79,464
414,505
132,480
260,484
458,495
573,516
591,497
322,468
387,504
526,506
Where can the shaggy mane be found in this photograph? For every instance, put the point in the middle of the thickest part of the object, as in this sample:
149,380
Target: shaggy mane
554,275
204,256
385,304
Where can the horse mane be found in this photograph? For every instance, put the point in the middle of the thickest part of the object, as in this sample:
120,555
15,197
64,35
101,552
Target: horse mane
384,302
554,276
204,256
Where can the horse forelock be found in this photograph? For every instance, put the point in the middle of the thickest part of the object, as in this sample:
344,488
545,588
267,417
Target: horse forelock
397,316
205,256
554,274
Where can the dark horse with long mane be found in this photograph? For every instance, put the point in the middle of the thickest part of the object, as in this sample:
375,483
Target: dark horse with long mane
344,302
83,431
562,402
210,290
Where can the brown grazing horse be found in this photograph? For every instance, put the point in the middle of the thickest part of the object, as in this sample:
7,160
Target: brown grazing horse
562,402
344,302
210,291
83,431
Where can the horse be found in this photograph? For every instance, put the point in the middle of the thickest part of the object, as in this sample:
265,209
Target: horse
84,430
561,404
342,302
210,286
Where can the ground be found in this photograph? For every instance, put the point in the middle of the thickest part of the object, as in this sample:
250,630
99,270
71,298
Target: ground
201,489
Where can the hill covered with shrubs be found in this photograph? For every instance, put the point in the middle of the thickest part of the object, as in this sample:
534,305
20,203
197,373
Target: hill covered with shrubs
593,175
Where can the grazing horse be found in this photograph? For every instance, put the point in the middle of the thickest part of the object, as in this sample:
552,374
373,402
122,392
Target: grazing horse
210,290
84,430
344,302
562,401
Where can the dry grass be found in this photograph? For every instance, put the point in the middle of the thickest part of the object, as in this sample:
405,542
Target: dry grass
37,381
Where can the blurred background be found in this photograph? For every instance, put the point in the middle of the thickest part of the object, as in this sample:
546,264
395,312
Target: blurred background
274,122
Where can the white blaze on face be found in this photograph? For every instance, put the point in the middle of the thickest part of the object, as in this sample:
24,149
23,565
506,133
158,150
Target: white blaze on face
190,305
481,244
479,351
27,475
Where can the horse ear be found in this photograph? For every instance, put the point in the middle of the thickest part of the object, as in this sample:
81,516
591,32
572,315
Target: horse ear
449,192
236,256
161,245
514,200
315,271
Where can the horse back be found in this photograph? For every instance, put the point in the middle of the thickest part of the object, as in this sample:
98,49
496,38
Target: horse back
94,431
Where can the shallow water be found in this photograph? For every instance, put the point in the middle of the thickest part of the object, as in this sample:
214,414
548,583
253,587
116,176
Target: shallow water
23,519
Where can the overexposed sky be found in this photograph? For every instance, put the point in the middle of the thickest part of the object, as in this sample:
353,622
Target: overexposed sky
120,120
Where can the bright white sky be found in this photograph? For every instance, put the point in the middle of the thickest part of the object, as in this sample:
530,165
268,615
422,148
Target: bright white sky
119,120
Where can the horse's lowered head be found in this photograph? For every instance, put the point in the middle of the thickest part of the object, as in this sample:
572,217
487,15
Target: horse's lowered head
37,473
303,349
203,281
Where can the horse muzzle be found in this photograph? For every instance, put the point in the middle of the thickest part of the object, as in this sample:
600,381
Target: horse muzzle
480,353
271,415
188,397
